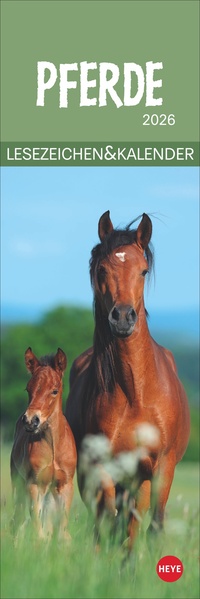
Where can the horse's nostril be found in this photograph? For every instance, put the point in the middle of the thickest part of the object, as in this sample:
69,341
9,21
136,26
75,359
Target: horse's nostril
131,315
30,425
115,314
35,421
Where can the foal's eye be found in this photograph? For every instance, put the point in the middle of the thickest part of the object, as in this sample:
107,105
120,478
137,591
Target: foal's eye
54,392
144,272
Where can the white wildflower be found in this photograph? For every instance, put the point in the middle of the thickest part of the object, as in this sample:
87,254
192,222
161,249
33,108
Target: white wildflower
146,435
95,449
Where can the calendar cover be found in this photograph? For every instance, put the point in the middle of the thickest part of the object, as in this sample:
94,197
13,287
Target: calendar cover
99,274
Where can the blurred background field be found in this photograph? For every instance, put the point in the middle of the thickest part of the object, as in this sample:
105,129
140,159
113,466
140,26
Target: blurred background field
37,571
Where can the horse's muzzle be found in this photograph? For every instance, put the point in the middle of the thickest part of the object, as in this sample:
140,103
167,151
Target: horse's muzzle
32,425
122,319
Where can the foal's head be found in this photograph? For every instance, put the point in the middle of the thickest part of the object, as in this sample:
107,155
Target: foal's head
44,388
118,267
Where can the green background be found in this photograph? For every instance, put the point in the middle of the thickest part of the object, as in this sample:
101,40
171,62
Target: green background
113,31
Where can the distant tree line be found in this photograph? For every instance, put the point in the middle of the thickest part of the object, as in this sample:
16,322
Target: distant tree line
71,328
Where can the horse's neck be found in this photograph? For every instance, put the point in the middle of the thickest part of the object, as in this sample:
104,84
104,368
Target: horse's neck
123,361
135,357
57,423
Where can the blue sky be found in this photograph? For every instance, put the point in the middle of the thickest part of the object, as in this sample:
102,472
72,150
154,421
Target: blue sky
49,225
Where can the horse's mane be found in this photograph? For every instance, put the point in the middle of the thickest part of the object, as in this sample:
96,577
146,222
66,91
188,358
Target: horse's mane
102,369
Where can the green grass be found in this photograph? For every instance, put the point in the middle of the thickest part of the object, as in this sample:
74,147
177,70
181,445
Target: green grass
36,571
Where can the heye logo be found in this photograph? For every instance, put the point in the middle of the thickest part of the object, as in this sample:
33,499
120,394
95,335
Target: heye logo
169,568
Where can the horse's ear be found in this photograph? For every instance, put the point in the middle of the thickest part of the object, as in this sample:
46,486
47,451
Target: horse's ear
105,225
144,231
60,361
31,361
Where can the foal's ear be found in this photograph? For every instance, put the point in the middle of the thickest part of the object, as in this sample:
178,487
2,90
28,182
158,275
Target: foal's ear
60,361
144,231
31,361
105,225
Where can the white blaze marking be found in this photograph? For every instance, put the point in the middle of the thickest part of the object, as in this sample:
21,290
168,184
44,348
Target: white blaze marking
121,256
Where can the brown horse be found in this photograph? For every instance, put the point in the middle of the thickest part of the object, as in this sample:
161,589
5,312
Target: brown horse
43,458
127,379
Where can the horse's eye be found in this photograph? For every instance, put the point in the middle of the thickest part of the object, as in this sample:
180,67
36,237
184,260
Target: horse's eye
54,392
144,272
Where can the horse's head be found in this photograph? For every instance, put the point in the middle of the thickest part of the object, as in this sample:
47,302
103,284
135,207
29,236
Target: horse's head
118,268
44,388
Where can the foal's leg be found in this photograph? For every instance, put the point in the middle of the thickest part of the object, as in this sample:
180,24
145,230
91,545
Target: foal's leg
63,497
19,494
36,496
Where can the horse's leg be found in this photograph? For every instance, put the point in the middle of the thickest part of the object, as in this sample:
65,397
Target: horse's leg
161,486
19,494
36,496
109,494
105,504
63,497
142,504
